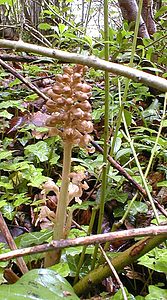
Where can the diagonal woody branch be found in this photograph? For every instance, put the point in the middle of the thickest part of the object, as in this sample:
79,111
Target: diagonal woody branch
91,61
151,231
123,259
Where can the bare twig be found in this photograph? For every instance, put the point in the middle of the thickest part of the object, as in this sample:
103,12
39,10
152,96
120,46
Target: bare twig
7,235
88,240
24,58
114,272
25,81
123,172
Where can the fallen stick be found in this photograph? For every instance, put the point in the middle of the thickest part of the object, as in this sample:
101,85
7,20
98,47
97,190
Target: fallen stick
88,240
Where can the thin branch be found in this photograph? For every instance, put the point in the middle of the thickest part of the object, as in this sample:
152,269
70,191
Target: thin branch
88,240
9,239
123,172
91,61
114,272
25,81
25,58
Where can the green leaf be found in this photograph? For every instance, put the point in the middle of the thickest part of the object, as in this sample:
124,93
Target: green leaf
137,207
162,183
161,11
15,166
20,199
128,117
155,293
155,260
73,261
62,269
8,211
13,103
117,195
34,238
119,296
5,154
123,152
6,185
164,123
9,2
14,82
34,175
39,284
3,203
54,159
5,114
44,26
40,150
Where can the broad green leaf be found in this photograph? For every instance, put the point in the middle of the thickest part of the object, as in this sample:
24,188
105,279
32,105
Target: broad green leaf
8,211
137,207
34,238
62,269
164,123
39,284
44,26
117,145
5,114
162,183
54,159
161,11
155,260
5,154
40,150
34,175
3,203
73,261
13,103
115,194
20,199
6,185
155,293
15,166
123,152
119,296
14,82
9,2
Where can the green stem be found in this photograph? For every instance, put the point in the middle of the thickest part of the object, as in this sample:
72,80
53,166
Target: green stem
81,260
157,138
106,121
123,259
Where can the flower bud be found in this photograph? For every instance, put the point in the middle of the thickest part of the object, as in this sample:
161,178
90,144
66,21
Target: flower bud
57,89
85,105
77,113
86,88
80,96
68,70
58,77
66,90
69,101
66,78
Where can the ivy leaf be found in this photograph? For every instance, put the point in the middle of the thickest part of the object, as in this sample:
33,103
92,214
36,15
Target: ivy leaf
40,150
5,154
137,207
44,26
34,238
39,284
155,293
8,211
